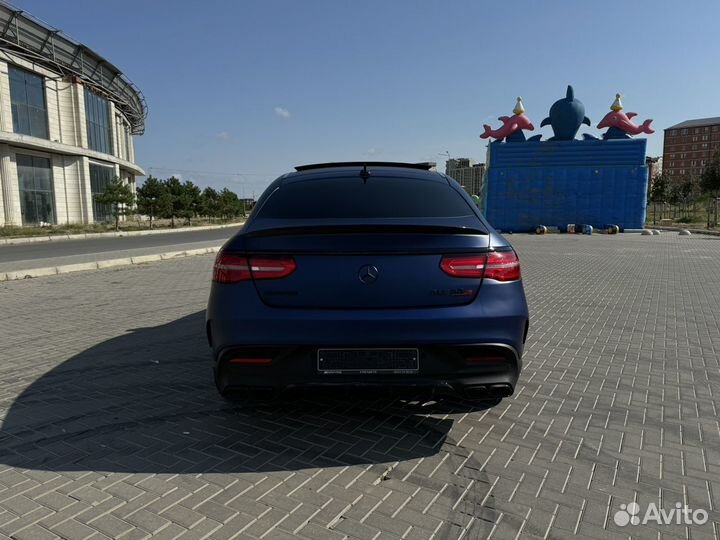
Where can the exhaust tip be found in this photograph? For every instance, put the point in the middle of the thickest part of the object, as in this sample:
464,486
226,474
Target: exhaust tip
500,390
476,392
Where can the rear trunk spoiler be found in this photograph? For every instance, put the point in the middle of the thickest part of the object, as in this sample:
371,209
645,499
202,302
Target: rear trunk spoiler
364,229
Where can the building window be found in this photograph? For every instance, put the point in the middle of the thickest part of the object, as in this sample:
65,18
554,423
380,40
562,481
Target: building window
684,132
100,177
37,200
99,130
27,97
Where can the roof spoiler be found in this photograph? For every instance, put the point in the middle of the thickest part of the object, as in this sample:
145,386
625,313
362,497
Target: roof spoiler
426,166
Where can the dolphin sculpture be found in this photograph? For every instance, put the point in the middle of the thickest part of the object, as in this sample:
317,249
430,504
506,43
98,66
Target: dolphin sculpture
512,125
566,116
620,123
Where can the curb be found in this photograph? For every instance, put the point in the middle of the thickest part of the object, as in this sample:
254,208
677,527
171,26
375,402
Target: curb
101,265
119,234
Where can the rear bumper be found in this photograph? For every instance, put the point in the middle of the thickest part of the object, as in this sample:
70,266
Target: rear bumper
493,373
237,321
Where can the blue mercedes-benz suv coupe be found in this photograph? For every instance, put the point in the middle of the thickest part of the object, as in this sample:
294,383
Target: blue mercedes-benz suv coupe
367,274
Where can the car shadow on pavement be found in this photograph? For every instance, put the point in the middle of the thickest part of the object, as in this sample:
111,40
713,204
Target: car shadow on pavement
145,402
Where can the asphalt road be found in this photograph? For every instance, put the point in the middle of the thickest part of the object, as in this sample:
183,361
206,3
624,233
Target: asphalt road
106,248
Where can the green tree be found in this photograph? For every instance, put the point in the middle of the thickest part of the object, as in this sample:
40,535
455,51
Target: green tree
230,204
193,197
210,203
683,193
710,178
659,188
659,191
179,200
710,185
119,197
152,198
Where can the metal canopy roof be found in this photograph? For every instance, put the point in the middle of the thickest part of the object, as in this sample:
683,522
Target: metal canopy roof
28,37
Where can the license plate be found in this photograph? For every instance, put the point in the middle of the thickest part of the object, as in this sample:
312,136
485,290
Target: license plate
367,361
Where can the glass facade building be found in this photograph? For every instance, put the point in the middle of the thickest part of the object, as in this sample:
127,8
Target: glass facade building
27,97
37,200
97,115
100,177
68,119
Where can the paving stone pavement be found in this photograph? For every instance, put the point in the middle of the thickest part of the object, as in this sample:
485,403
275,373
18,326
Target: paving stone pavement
111,427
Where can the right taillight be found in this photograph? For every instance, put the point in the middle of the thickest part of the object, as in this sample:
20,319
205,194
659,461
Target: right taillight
231,268
502,266
497,265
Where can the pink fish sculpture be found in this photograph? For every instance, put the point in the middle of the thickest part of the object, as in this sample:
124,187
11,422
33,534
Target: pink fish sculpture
622,121
511,124
618,119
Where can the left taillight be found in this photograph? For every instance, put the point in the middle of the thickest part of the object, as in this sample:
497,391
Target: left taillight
230,268
271,267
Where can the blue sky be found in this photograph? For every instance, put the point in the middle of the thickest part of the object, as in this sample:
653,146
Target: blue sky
241,91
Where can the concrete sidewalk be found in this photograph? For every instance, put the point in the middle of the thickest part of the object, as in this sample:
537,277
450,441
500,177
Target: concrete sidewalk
71,264
96,261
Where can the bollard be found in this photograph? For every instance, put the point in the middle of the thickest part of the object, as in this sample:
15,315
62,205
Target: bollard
646,232
570,228
587,229
684,232
540,229
613,229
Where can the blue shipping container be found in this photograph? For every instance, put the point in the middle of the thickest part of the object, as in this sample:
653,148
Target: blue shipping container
554,183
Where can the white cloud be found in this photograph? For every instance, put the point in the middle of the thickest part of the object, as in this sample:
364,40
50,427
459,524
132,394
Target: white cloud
282,113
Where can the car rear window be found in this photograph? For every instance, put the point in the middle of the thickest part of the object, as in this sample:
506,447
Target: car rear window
379,197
